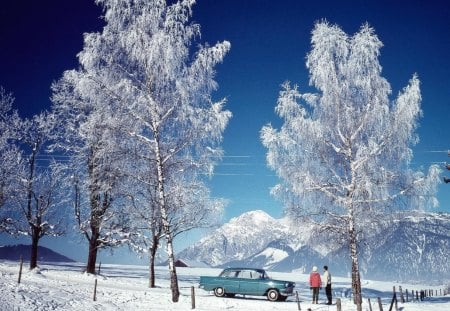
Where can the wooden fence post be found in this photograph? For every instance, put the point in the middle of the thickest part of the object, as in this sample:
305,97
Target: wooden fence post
99,267
407,296
20,269
380,305
402,298
370,304
193,297
394,300
338,304
298,301
95,290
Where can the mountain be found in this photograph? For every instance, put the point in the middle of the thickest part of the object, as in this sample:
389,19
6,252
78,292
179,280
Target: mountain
238,239
416,246
252,238
13,252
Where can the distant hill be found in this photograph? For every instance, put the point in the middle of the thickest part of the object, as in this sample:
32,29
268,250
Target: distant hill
13,252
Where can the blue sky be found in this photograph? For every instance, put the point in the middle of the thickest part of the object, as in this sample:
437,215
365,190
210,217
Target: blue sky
269,42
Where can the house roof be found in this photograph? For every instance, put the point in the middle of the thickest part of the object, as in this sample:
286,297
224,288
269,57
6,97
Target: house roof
193,263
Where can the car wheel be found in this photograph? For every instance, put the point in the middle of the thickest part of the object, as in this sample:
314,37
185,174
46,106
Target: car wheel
273,295
219,292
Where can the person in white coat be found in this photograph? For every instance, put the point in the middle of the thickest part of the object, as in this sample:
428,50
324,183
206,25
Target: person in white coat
327,282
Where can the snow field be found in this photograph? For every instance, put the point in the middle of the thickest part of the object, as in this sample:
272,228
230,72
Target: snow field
120,287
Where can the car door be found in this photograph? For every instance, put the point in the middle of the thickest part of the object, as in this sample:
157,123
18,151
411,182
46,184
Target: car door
249,282
231,282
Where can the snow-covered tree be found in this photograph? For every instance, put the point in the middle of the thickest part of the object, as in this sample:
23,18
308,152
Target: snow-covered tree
164,92
190,207
85,133
141,68
29,200
34,208
10,155
343,154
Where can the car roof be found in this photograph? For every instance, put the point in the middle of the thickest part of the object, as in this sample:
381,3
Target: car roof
245,268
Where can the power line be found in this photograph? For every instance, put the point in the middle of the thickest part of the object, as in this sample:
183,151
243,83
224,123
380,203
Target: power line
436,151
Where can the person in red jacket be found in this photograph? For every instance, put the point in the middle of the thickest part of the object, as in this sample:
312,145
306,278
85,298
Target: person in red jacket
315,284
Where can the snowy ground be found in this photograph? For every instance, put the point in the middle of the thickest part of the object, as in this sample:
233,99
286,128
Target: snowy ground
64,287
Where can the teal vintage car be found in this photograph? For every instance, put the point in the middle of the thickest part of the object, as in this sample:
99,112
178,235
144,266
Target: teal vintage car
247,281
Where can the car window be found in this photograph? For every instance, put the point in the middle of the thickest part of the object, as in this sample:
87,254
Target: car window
250,274
245,274
228,274
256,275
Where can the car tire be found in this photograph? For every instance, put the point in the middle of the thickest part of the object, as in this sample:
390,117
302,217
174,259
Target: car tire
273,295
219,292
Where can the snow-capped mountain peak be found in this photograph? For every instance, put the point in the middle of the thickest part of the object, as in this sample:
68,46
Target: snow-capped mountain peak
237,239
413,241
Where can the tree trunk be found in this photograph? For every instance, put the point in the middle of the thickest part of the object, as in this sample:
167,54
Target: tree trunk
34,246
152,252
96,211
165,219
93,249
172,270
356,281
34,230
2,193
